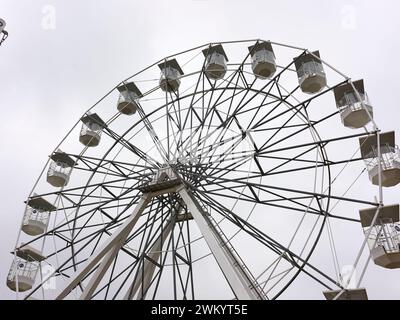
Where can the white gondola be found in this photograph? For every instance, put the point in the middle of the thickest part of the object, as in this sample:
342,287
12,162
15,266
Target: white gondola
348,294
170,74
37,216
60,169
355,113
263,60
390,158
216,59
22,274
92,126
128,97
311,74
384,238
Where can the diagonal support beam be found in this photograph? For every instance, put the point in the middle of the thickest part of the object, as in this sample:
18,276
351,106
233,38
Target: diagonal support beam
145,275
241,282
113,244
101,270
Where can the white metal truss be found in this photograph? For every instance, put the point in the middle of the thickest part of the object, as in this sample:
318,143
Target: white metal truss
243,285
106,253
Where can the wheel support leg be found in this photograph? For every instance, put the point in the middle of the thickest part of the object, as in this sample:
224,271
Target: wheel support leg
241,282
105,254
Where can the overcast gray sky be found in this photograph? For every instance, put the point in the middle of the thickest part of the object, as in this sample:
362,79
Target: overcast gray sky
62,56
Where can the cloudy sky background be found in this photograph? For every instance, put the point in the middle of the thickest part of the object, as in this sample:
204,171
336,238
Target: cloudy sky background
62,56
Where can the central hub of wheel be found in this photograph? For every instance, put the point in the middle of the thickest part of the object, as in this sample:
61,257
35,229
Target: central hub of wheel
165,179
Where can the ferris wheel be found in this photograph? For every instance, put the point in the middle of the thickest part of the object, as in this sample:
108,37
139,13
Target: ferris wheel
223,171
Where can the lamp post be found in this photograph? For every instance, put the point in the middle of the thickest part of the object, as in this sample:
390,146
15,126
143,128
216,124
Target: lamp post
3,33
